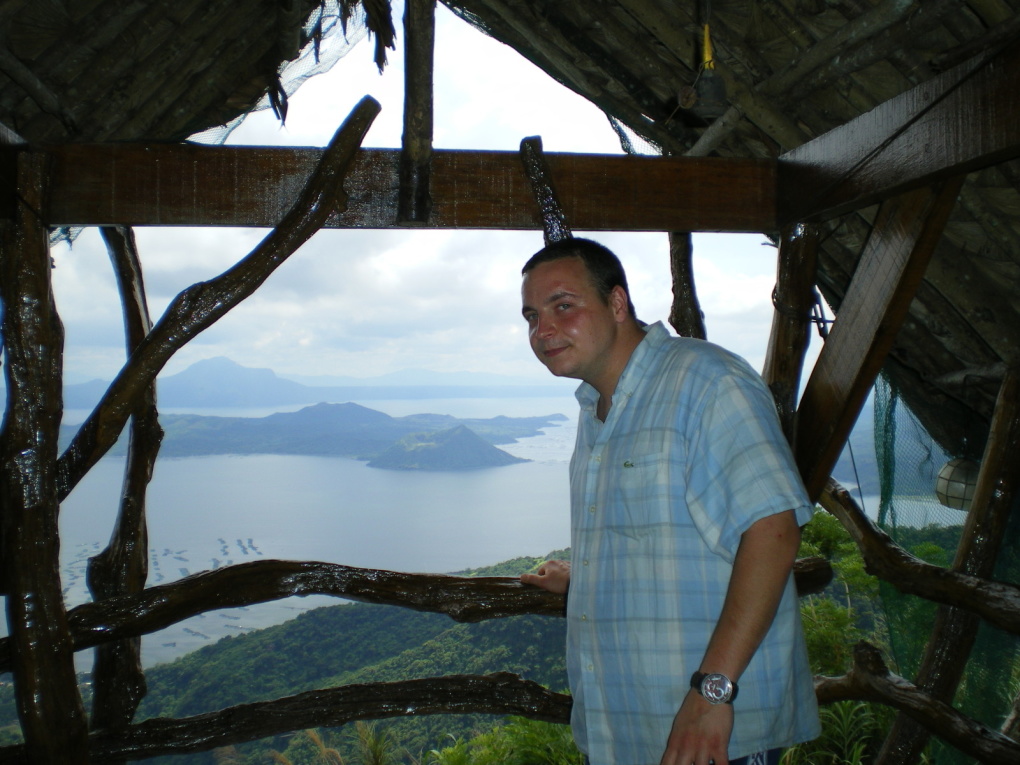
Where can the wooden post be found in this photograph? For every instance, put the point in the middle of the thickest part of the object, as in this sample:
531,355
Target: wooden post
792,299
46,689
554,222
685,316
118,681
414,204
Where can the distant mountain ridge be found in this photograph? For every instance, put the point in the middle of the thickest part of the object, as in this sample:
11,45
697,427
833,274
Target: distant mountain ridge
220,383
430,441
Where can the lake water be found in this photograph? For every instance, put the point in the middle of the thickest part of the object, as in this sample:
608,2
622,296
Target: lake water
207,512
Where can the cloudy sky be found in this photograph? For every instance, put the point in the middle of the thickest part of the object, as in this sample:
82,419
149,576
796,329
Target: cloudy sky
364,303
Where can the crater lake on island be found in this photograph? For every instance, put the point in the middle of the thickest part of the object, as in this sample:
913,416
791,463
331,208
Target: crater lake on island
209,511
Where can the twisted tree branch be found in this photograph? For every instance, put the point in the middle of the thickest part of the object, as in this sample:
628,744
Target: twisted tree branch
498,693
464,599
870,680
203,304
997,602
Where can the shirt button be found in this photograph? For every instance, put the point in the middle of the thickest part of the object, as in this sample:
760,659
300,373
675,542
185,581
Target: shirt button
591,509
591,667
584,617
598,458
585,562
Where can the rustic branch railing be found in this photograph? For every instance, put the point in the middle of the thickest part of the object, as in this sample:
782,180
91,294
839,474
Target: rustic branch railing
463,599
35,480
501,693
870,679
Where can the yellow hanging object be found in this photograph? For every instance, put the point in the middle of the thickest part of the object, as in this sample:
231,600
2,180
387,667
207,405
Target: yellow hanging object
707,61
710,91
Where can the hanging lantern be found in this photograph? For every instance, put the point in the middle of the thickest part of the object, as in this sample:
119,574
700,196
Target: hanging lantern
710,91
956,483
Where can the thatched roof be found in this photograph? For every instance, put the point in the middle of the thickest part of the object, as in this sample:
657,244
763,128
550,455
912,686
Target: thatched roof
793,69
113,71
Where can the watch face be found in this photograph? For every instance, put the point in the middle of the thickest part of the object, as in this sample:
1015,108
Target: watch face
717,688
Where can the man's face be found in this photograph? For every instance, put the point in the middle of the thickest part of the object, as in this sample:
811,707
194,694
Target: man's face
571,329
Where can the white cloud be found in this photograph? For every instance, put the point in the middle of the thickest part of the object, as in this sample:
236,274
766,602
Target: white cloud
359,302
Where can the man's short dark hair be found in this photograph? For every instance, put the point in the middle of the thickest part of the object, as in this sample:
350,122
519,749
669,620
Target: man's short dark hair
603,266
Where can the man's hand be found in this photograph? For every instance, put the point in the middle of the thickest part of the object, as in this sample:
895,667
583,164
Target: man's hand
553,575
700,734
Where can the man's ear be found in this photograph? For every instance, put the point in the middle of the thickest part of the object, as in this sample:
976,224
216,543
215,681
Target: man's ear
620,301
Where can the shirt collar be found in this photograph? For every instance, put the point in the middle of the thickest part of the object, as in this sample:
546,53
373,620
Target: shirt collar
656,335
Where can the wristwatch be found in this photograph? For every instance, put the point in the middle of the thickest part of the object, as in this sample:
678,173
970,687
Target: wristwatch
716,688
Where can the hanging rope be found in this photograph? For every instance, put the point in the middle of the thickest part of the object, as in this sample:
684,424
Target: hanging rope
818,317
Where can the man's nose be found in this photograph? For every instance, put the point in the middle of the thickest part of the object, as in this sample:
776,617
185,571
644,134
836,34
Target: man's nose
544,326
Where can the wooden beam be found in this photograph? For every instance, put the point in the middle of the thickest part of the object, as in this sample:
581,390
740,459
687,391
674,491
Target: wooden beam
960,121
890,268
187,185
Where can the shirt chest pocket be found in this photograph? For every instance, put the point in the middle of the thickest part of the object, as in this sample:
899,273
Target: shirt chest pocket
642,490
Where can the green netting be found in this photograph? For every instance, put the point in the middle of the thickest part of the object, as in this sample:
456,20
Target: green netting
909,463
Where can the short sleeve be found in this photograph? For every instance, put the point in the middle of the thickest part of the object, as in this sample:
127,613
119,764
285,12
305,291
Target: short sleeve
741,468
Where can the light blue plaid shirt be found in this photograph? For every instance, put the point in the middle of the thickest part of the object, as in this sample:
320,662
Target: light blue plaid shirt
689,457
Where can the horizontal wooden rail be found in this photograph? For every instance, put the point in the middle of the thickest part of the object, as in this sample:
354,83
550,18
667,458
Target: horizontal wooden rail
190,185
464,599
500,693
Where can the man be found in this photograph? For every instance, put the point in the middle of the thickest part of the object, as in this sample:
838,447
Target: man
684,642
